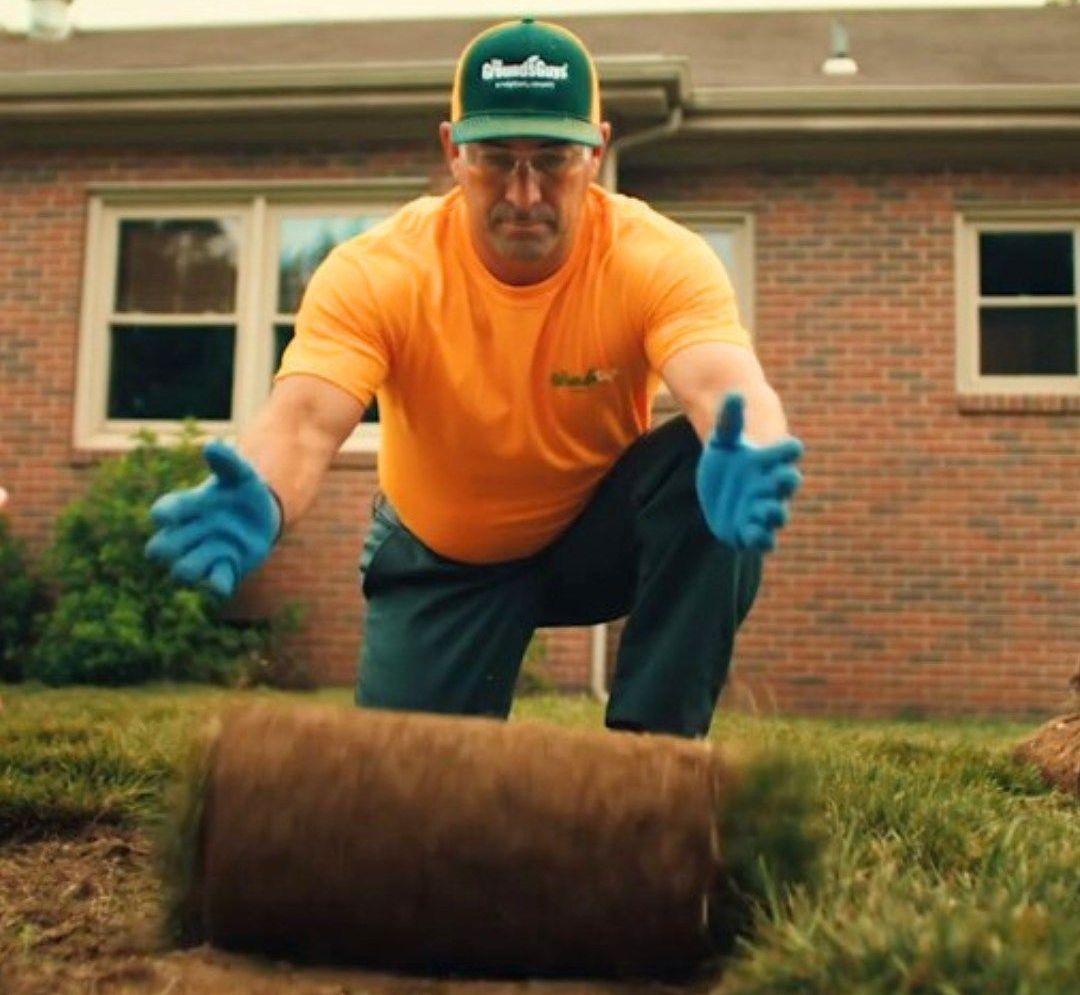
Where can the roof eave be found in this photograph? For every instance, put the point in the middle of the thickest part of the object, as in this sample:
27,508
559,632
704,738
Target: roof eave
401,83
403,98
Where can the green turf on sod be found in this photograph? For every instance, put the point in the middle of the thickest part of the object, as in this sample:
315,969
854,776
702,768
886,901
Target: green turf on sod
949,867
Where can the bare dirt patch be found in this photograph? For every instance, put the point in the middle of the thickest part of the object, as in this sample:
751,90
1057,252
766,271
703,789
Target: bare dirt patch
82,915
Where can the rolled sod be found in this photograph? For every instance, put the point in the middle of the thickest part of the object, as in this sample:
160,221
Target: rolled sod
1055,749
468,846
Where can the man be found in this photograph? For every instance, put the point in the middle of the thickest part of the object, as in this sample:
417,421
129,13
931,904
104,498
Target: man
515,332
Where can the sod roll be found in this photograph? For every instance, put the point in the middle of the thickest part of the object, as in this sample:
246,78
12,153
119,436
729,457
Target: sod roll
1055,749
437,844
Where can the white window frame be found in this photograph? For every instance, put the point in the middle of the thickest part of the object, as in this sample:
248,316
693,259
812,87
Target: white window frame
968,226
741,223
258,207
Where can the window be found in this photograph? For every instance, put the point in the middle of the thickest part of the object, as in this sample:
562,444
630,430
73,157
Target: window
732,239
190,298
172,324
731,244
303,240
1018,286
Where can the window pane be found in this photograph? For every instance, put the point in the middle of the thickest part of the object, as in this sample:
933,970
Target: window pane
1035,263
722,241
171,373
282,337
1027,341
304,242
183,266
371,415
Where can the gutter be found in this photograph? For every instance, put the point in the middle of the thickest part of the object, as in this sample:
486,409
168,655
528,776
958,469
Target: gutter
671,74
224,79
856,123
843,108
639,88
846,97
609,173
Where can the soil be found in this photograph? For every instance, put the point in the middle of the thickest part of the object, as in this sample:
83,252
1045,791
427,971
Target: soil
1055,749
82,916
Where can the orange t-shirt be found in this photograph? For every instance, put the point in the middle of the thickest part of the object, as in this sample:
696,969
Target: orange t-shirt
503,407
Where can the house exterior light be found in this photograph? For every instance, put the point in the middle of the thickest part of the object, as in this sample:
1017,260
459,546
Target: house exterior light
49,20
839,62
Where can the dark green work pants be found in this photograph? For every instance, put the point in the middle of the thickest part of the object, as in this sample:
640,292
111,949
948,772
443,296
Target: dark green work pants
445,636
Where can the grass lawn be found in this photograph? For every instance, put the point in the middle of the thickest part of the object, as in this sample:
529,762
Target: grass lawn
950,868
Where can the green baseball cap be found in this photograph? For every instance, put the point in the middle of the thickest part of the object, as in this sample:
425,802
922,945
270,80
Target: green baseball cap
526,79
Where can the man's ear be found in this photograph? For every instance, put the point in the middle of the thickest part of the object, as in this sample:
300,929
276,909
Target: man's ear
597,156
452,153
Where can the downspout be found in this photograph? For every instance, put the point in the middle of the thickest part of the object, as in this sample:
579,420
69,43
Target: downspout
609,171
598,662
609,178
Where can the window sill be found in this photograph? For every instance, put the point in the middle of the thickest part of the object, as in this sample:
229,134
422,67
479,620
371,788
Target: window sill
358,452
355,459
1048,404
344,460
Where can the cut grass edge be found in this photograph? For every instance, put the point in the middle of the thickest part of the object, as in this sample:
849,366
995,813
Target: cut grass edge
178,836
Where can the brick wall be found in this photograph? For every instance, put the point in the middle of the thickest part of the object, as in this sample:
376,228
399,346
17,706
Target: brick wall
933,562
933,559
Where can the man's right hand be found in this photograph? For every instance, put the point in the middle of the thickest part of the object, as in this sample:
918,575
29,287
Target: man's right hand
219,531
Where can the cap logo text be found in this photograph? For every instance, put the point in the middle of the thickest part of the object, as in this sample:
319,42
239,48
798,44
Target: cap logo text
534,71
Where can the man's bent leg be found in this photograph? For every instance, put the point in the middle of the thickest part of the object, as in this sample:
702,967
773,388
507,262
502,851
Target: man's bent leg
686,592
692,594
439,636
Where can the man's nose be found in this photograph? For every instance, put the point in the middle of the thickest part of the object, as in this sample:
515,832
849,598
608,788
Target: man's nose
523,189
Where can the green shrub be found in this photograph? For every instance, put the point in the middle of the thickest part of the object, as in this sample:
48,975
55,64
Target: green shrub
21,598
118,618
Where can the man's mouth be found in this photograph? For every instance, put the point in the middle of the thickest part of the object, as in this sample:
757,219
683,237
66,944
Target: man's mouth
526,223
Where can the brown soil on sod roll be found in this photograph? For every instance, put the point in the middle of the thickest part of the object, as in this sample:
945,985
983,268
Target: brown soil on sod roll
79,915
1055,749
465,846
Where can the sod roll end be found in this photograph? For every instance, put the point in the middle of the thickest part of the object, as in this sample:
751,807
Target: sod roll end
434,844
1054,748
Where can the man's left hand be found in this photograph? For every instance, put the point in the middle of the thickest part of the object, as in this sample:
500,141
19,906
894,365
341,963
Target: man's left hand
743,488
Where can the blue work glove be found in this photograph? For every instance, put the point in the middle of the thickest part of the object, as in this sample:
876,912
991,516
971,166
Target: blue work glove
219,531
743,489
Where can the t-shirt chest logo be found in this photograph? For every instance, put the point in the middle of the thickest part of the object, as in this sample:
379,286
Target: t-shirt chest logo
581,381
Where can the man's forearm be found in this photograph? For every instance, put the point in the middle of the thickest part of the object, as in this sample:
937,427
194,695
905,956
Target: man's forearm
293,439
292,460
701,376
765,419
